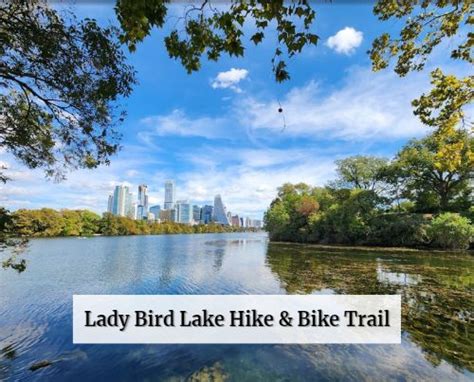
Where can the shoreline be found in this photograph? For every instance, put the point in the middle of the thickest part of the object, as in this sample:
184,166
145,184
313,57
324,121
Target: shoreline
146,234
362,248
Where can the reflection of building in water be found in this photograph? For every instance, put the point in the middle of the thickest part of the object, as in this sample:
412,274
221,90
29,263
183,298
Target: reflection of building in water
396,278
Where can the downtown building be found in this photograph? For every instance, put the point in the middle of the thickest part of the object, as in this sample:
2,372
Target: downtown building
169,195
120,203
219,213
155,211
206,216
142,204
184,212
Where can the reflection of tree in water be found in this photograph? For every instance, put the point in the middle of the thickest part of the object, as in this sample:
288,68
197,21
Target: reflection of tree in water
437,290
7,354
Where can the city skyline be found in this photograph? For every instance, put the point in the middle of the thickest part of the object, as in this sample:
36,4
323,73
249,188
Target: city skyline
121,202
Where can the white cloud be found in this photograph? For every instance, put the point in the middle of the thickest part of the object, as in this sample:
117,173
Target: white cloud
178,123
230,79
366,107
345,41
250,182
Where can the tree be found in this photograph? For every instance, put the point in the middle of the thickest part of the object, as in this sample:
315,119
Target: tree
209,30
360,172
436,171
10,243
60,79
443,105
451,231
427,25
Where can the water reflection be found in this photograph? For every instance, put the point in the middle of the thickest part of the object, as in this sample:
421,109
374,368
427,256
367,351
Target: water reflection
436,289
35,320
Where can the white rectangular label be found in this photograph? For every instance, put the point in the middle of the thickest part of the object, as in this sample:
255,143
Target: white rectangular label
239,319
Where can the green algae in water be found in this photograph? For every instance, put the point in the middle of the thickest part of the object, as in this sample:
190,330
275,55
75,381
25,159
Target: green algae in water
437,290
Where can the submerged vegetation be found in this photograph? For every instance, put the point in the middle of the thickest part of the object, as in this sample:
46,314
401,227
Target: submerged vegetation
436,290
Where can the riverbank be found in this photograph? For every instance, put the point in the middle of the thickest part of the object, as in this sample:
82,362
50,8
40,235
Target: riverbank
47,222
362,248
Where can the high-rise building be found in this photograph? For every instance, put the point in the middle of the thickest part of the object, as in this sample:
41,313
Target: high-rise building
142,205
122,202
183,212
242,223
110,204
196,213
235,221
220,216
169,195
206,214
155,210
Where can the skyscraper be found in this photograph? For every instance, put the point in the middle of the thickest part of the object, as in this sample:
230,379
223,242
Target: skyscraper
206,214
122,201
183,212
196,213
235,221
220,216
110,204
155,210
169,194
142,206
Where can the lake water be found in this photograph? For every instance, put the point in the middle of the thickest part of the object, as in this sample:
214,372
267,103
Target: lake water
35,309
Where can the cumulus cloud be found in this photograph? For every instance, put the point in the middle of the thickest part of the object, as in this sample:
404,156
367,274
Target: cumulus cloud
345,41
229,79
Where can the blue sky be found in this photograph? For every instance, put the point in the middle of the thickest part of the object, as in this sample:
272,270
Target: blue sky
219,130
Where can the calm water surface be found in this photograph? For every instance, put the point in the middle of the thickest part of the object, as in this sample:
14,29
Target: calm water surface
36,307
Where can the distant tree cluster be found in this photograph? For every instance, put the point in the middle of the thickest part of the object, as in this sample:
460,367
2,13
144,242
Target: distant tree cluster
47,222
424,196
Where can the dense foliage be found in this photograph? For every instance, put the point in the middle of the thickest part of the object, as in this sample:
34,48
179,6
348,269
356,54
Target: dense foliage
388,203
209,30
451,231
60,80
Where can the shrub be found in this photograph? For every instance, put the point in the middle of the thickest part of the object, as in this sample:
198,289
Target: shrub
393,230
451,231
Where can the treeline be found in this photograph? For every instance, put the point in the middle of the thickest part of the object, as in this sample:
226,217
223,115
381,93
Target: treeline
47,222
423,197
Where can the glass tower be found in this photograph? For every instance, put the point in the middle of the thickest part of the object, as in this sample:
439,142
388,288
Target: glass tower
169,195
220,215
